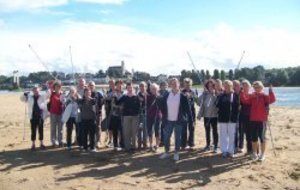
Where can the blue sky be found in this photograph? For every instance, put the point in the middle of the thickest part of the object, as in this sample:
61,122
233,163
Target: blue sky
215,31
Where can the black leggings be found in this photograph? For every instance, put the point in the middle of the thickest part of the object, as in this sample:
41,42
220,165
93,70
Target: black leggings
70,125
89,128
258,131
116,126
37,124
208,124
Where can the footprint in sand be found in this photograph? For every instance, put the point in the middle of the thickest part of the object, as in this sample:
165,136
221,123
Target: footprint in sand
23,180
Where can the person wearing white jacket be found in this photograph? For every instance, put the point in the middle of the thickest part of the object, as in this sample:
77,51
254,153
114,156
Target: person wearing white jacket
37,113
70,115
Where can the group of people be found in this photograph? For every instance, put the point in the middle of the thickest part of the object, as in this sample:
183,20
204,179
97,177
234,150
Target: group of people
145,117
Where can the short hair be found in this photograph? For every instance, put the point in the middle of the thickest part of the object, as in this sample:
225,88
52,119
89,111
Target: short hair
119,82
174,79
258,83
154,86
128,84
210,81
228,82
246,82
236,81
142,84
163,83
72,88
92,83
57,83
188,81
218,81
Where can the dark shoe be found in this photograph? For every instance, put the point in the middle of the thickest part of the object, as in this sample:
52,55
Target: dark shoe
61,145
42,147
33,147
207,148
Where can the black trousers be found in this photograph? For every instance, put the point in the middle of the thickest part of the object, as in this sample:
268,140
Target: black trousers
37,124
163,124
211,123
89,128
71,123
188,140
116,124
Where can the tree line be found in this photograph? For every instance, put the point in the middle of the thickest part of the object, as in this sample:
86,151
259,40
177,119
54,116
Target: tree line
278,77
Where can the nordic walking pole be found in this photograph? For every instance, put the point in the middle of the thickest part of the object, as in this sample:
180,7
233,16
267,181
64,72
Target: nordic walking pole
272,140
192,62
25,117
71,59
40,60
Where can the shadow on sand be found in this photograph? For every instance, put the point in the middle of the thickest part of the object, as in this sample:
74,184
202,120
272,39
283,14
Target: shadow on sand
195,165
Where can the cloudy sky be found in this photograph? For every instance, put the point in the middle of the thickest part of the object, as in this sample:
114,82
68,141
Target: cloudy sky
149,35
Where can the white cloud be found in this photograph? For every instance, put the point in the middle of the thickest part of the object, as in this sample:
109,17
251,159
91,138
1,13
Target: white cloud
96,46
30,5
16,5
117,2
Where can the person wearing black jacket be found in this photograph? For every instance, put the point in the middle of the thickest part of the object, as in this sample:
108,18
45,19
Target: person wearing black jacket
130,112
88,119
99,103
176,112
190,94
228,105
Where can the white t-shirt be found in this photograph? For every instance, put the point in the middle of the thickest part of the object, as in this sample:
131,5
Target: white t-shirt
173,102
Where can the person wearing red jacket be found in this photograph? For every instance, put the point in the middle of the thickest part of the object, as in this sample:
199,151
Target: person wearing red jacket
259,109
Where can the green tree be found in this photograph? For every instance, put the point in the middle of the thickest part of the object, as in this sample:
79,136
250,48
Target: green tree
230,74
223,75
216,74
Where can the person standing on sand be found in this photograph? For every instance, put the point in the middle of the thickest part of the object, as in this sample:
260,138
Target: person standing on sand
70,115
239,134
88,119
99,103
244,119
177,113
37,113
130,112
56,110
142,132
79,130
116,116
162,91
153,116
108,112
228,105
191,96
259,112
208,110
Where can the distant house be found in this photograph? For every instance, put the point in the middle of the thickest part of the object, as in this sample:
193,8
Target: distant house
116,71
119,72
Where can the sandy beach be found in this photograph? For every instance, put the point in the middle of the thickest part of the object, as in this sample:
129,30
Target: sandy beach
20,168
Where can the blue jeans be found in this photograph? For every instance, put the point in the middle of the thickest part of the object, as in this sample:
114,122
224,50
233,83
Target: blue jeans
168,130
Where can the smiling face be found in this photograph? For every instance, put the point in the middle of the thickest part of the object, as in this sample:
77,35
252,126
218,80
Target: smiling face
87,92
175,85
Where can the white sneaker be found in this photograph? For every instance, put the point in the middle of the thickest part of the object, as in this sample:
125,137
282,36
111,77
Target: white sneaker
254,156
261,157
176,156
94,150
164,155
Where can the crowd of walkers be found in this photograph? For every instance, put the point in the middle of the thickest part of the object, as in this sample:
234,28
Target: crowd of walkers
144,117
